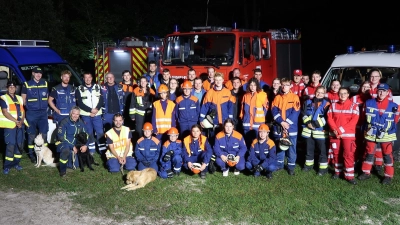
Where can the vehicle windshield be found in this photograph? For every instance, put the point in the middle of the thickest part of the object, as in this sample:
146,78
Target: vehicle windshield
52,74
353,77
199,49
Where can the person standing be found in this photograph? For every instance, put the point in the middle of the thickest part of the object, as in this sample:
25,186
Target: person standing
306,79
253,110
163,114
113,96
217,102
309,91
229,142
209,83
128,85
237,93
198,90
262,154
315,130
120,150
62,97
147,149
165,78
140,109
35,95
12,119
153,76
191,75
285,111
258,74
187,109
235,73
91,103
67,130
382,115
174,90
333,93
297,86
342,120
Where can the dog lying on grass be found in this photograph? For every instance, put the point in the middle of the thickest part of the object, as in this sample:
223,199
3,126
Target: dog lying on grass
84,158
43,153
139,179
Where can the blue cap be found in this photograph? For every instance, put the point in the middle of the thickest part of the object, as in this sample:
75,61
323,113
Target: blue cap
383,86
37,70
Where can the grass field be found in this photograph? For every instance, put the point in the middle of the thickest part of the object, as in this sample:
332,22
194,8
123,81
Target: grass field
301,199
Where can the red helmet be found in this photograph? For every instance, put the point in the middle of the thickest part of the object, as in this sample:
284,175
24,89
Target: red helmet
173,130
147,126
162,88
196,168
187,84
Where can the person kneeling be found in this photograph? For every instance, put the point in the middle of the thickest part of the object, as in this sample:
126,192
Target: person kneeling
171,155
120,151
147,149
262,155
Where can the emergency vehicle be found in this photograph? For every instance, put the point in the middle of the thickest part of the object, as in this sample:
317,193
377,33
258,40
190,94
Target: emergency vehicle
130,53
352,68
276,52
19,57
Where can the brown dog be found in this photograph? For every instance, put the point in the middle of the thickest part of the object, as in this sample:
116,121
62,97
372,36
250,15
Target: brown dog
139,179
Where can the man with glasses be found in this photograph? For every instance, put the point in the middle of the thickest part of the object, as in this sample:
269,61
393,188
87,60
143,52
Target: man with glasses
113,96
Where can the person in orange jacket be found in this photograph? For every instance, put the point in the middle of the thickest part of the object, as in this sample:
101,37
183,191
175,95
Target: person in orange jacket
254,110
163,114
209,83
236,73
342,120
128,85
285,111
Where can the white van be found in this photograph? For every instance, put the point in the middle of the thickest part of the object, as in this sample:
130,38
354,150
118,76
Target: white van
353,68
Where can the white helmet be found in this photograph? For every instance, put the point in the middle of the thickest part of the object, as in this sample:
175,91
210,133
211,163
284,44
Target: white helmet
284,144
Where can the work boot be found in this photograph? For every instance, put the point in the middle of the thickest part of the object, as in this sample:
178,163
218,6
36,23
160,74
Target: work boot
269,175
203,175
378,168
387,180
307,168
18,167
33,160
291,172
236,172
63,174
322,172
335,176
177,173
352,181
256,174
364,176
6,171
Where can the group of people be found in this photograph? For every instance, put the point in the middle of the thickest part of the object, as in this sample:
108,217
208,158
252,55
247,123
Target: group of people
243,123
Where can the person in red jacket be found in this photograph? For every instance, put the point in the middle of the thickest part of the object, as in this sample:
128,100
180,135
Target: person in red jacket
312,87
297,86
342,120
333,93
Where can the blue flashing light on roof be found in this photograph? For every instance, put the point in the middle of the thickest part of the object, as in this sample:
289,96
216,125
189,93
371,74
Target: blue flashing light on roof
350,49
234,25
391,49
176,28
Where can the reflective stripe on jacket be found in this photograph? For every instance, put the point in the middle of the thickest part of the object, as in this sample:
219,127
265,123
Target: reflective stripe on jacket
119,142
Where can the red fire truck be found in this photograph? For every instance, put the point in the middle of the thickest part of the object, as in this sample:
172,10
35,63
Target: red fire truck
130,54
276,52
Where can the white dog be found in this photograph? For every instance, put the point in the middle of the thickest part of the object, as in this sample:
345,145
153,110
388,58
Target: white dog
43,153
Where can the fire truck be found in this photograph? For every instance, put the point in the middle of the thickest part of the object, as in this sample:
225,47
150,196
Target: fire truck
130,53
276,52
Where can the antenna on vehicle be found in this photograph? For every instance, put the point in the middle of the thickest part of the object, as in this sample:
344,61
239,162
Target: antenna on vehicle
207,12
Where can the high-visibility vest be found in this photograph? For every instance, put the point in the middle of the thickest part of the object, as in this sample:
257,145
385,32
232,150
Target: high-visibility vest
385,123
119,142
164,119
13,110
65,99
36,95
202,142
90,98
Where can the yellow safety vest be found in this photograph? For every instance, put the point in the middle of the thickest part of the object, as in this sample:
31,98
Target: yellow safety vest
119,142
12,109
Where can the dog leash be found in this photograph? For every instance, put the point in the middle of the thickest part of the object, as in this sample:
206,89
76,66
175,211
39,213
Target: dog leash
73,160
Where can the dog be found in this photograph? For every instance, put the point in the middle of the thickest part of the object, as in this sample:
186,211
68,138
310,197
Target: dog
43,153
139,179
84,158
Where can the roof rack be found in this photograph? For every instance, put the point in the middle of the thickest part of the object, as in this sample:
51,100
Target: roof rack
23,43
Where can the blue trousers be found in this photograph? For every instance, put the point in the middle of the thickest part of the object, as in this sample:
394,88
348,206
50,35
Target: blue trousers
114,165
175,162
291,155
196,159
268,168
95,124
38,123
14,140
66,160
153,165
